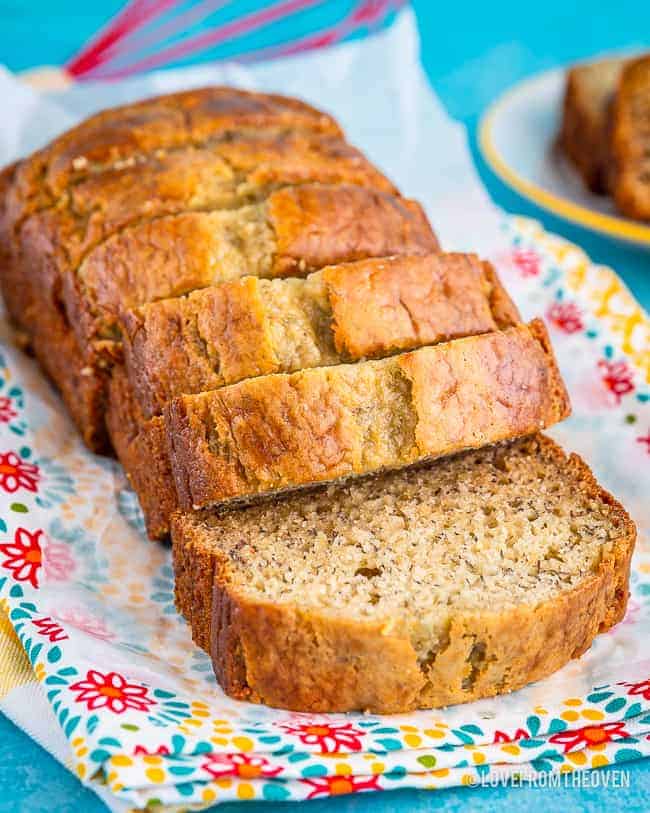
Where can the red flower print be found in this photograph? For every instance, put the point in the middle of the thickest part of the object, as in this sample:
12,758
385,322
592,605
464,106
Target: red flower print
642,688
617,377
7,412
245,766
566,316
24,556
142,751
53,631
337,785
330,737
503,737
645,439
17,473
111,691
527,261
589,735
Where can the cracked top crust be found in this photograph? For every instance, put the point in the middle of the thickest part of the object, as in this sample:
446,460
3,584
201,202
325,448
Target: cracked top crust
296,230
123,135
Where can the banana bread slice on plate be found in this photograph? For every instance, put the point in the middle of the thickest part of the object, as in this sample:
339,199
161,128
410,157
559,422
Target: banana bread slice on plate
630,140
584,135
277,432
414,589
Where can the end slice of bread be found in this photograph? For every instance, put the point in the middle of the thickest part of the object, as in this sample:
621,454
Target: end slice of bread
584,136
630,140
419,588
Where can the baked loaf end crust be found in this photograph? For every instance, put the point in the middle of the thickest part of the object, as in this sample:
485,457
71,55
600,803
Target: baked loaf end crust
279,432
306,659
630,139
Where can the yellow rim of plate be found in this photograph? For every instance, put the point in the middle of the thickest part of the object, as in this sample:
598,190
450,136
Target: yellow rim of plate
608,224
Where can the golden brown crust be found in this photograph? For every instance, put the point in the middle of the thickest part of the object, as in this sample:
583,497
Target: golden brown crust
171,256
228,174
584,135
370,308
82,388
630,140
278,432
309,221
398,303
119,137
289,657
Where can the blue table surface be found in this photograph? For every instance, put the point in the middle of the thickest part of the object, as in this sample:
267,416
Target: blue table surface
471,54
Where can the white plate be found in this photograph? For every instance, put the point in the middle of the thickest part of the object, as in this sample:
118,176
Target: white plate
518,136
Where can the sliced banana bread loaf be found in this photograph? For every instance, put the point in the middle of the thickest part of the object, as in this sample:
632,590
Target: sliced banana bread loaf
284,431
584,135
250,327
415,589
125,169
630,140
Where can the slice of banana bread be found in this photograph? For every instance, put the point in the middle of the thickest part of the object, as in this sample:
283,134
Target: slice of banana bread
277,432
584,135
251,326
630,140
415,589
294,231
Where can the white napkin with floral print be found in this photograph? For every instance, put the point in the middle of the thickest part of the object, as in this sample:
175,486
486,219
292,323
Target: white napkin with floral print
121,695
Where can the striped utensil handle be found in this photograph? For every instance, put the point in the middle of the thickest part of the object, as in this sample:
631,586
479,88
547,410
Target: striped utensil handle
153,34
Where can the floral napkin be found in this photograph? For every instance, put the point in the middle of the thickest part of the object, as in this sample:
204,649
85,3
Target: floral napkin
90,600
94,661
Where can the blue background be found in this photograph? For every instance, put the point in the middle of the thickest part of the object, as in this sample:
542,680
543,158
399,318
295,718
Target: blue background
471,52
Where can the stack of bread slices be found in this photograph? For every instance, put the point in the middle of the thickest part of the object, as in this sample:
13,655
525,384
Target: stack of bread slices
336,421
606,130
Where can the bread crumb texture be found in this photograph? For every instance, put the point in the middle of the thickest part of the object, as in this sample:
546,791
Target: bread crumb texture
469,577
